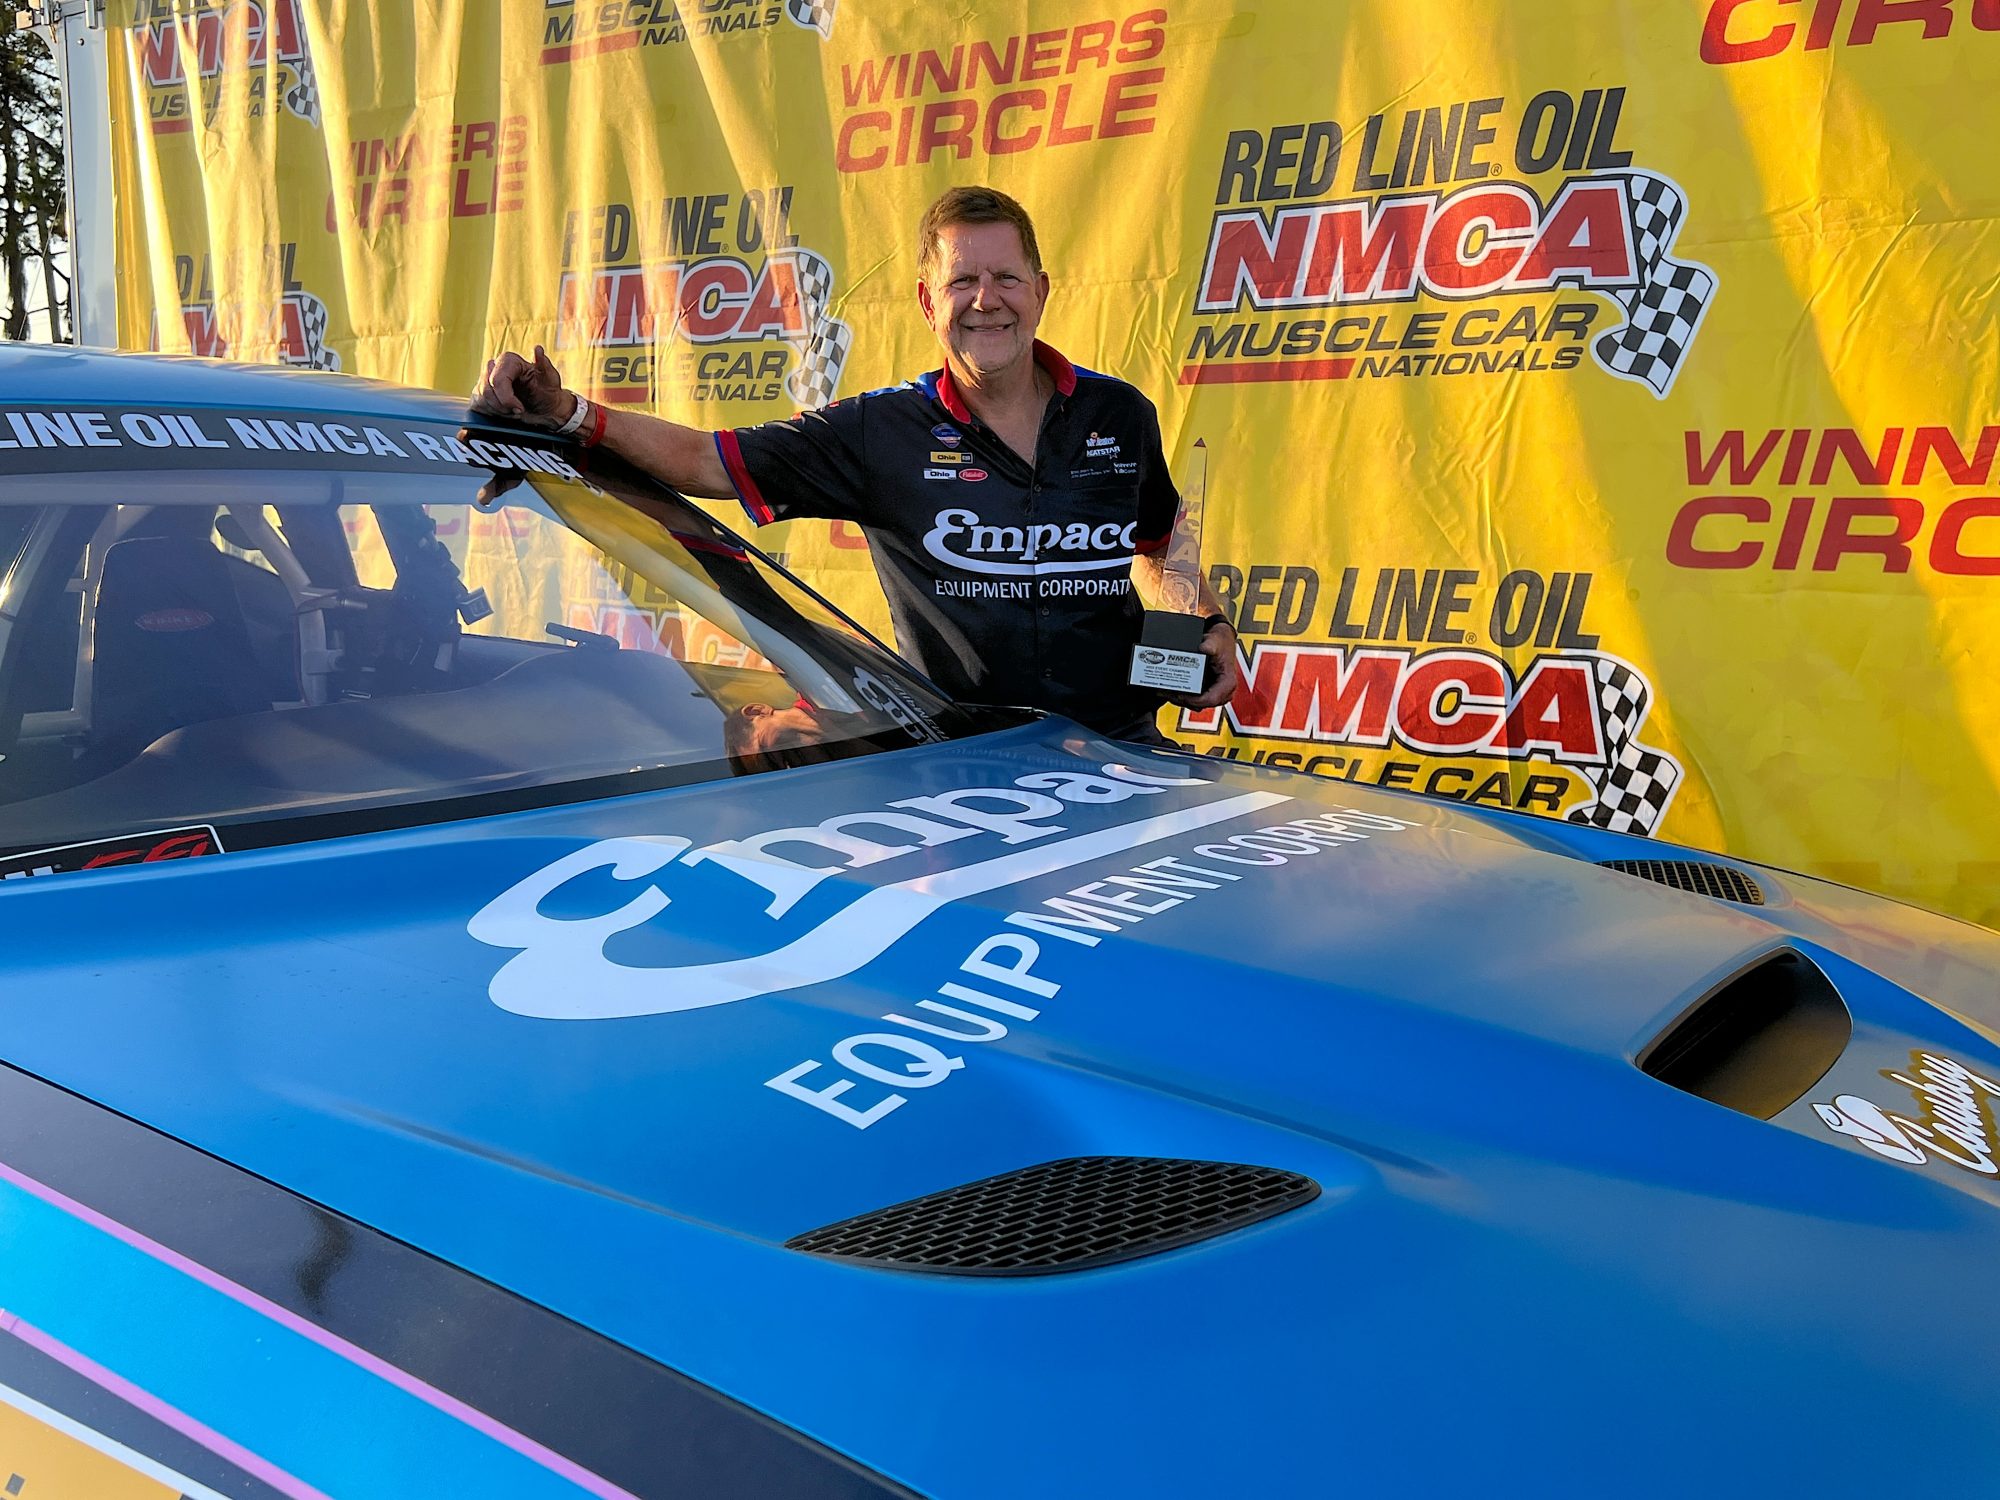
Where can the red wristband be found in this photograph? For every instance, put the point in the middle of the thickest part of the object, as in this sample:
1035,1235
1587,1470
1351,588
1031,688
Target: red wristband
599,415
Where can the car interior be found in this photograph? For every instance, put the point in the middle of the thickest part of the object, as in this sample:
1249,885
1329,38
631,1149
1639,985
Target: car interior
180,662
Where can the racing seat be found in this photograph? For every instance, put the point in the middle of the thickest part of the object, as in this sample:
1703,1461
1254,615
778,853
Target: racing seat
171,646
263,602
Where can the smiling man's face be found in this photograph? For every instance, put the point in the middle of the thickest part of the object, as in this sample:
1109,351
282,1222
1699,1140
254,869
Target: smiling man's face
983,299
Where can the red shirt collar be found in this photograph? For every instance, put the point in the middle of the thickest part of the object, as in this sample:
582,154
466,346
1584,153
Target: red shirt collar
1046,355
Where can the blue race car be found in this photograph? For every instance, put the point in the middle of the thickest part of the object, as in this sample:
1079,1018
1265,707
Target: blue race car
503,992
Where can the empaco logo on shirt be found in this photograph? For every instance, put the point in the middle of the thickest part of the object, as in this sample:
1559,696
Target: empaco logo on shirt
960,538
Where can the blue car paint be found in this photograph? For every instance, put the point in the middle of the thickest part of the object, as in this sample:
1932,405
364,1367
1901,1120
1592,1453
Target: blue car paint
53,375
1533,1270
1508,1202
220,1362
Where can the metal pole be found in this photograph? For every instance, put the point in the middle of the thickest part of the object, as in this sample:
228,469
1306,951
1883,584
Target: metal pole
75,33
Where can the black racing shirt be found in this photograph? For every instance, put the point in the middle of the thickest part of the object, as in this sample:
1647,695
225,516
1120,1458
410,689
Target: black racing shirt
1007,583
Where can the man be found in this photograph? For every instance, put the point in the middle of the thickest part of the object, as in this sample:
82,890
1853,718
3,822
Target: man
1011,501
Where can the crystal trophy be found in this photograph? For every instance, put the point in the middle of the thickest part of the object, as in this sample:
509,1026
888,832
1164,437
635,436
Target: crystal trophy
1169,655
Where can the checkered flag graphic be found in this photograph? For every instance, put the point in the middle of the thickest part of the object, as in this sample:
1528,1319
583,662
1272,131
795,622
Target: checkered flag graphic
313,320
814,15
1636,788
815,379
1665,310
302,98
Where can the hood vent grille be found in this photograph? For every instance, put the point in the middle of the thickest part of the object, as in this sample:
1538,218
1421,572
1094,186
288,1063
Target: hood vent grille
1701,877
1758,1041
1068,1215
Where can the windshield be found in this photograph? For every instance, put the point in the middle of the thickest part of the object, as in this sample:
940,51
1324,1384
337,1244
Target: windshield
283,652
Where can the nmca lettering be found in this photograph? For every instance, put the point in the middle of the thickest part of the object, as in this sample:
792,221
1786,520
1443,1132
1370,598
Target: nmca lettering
292,333
243,33
705,301
1388,249
1448,702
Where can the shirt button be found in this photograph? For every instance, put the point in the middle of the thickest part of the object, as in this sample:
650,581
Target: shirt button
1045,609
1048,671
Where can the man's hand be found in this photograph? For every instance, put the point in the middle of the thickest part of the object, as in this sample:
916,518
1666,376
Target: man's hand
1218,644
528,391
532,391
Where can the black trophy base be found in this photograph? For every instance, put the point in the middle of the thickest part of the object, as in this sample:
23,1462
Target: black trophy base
1169,656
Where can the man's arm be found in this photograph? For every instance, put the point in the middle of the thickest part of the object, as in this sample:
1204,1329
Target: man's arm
1218,642
532,391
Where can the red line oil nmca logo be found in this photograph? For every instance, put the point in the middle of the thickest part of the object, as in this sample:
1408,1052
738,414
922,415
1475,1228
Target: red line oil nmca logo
1428,679
209,40
1445,240
573,30
705,298
290,329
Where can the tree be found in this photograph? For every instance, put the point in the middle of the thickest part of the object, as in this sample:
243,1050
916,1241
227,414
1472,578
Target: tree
32,191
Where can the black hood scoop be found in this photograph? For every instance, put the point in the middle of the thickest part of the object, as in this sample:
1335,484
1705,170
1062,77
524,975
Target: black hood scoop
1758,1041
1069,1215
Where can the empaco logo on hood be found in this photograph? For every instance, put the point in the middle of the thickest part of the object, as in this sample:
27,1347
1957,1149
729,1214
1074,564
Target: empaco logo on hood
561,970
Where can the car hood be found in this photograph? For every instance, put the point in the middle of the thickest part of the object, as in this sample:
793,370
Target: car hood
612,1056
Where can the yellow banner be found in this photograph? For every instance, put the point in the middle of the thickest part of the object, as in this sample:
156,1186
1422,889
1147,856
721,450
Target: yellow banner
1594,401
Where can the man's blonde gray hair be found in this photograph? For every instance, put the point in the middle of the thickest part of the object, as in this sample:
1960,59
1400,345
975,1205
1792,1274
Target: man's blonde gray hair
972,205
